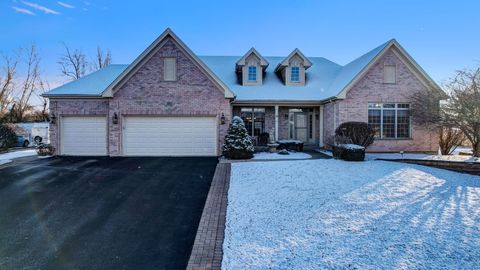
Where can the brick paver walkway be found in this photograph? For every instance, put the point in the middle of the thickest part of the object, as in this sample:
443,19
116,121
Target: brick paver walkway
207,251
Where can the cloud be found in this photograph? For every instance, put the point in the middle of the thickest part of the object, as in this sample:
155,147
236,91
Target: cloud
40,8
23,10
86,3
65,5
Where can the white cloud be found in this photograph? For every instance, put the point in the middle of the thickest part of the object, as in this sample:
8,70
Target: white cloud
65,5
86,3
23,10
40,8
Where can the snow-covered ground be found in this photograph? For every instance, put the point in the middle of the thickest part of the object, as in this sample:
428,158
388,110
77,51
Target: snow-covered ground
291,155
332,214
461,158
7,157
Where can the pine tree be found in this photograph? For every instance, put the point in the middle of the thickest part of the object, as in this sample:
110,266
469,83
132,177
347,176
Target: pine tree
238,144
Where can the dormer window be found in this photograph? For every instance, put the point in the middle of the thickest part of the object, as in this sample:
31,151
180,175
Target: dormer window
250,68
252,73
293,68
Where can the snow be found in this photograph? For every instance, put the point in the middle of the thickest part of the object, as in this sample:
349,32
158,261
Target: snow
290,141
8,157
457,158
291,155
92,84
326,79
332,214
352,146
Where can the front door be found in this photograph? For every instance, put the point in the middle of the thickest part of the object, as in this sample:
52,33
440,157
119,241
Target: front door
301,126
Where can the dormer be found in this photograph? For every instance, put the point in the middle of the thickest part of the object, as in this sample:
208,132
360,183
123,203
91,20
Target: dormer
292,68
251,67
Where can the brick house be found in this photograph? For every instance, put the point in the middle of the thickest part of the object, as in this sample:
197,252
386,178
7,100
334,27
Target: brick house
171,102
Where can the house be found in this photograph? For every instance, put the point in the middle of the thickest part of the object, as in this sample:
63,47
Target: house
171,102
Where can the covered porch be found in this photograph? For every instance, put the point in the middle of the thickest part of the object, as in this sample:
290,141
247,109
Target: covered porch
300,122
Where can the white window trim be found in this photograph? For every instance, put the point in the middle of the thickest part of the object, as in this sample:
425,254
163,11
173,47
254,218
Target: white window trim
396,109
291,71
165,60
256,73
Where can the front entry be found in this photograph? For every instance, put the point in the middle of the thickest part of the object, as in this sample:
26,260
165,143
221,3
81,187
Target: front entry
301,125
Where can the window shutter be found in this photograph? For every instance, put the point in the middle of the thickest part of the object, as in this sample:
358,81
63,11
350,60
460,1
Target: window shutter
170,69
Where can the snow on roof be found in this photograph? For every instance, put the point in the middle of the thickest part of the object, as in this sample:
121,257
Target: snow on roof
325,79
319,76
92,84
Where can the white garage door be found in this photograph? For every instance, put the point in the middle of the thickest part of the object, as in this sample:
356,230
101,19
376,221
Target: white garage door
169,136
84,136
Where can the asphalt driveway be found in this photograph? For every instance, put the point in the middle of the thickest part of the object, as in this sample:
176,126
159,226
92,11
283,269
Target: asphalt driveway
101,213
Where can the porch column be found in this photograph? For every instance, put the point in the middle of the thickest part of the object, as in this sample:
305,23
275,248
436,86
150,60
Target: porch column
320,126
276,122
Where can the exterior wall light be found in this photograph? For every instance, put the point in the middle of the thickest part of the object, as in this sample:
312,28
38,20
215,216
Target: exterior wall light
115,118
222,119
53,119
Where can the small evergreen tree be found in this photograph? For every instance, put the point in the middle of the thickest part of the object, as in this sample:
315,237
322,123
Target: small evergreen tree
238,144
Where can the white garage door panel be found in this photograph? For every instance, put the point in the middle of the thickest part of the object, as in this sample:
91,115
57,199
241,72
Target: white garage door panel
170,136
84,136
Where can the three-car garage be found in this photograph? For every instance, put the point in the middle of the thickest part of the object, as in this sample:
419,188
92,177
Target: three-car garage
141,135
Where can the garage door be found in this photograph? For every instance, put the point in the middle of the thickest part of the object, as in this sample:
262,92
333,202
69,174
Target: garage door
170,136
84,136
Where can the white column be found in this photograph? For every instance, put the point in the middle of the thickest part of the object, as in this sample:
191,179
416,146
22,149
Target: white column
276,122
320,127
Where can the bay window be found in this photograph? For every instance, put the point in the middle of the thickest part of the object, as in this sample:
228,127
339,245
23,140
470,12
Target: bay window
390,120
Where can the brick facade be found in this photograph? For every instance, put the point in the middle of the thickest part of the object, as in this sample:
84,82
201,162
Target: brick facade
195,94
372,89
144,93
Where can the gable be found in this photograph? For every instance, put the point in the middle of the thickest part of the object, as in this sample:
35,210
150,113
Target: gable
147,80
375,55
372,87
167,36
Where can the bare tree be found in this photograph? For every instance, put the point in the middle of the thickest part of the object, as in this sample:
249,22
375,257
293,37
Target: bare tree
6,83
449,139
73,63
462,110
27,84
102,60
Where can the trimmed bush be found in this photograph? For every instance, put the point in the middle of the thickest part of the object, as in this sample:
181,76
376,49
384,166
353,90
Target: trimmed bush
238,144
8,138
349,152
358,133
45,150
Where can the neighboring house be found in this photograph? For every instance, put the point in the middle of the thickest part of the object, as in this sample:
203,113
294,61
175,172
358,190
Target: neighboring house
171,102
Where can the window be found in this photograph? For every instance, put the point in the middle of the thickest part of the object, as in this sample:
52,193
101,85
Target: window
390,74
254,120
252,73
295,74
169,69
390,120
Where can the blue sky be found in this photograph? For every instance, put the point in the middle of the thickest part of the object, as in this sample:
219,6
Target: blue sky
441,35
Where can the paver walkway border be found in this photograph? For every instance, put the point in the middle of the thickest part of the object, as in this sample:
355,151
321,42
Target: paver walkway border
207,250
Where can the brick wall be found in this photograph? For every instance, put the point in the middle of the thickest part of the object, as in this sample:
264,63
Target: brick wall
145,93
73,107
372,89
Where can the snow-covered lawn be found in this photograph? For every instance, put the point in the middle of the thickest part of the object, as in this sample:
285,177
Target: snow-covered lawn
332,214
291,155
7,157
459,158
